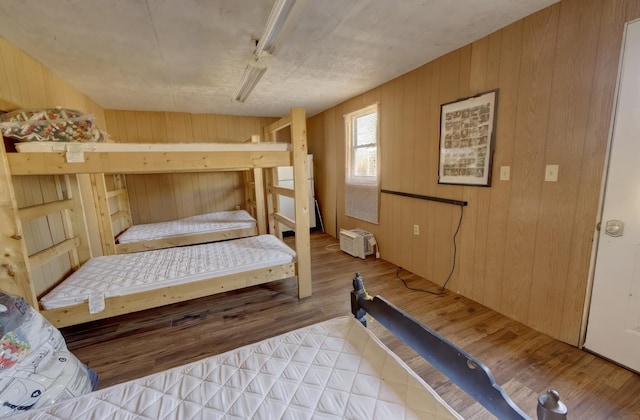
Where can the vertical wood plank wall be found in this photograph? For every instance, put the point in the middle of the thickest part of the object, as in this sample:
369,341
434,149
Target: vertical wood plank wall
162,197
525,244
25,83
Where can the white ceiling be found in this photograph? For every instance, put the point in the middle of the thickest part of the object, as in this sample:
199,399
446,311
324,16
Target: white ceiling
189,55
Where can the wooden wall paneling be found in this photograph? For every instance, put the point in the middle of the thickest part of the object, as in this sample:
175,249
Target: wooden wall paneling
431,169
11,90
462,257
212,127
132,123
167,197
138,197
224,197
404,114
187,190
321,142
540,33
573,69
6,94
199,127
222,126
339,135
473,68
633,10
422,151
121,125
158,127
484,208
111,125
445,215
333,165
144,128
613,16
470,282
32,80
498,220
390,162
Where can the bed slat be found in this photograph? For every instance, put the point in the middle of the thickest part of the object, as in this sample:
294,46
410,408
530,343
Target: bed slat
116,193
41,210
40,258
287,192
285,220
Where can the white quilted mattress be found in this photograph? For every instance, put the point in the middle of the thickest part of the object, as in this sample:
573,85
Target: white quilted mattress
210,222
332,370
117,275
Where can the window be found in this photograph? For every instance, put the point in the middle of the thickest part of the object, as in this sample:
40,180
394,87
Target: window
361,175
362,133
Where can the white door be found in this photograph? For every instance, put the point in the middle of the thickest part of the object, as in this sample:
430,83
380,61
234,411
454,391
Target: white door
613,330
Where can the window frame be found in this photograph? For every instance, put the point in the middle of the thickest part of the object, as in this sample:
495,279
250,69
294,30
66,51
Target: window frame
351,146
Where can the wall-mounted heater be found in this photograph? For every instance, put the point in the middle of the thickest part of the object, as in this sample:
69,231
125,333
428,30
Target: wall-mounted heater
356,242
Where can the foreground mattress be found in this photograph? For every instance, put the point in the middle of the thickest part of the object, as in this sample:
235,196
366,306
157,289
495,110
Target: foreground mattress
118,275
210,222
332,370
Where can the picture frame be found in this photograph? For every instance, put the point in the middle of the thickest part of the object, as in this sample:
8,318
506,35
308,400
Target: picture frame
467,138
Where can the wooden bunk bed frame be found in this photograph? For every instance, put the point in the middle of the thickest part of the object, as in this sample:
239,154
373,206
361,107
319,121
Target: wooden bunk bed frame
15,263
114,214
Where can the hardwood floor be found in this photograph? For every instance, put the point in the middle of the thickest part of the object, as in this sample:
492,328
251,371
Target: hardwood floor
522,360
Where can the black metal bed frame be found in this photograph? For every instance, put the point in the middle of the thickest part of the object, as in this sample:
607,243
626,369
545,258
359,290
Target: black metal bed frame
467,372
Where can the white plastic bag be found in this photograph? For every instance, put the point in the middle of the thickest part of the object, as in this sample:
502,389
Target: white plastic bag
36,368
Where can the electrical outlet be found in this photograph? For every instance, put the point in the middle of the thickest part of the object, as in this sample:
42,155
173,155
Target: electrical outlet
416,229
237,207
505,173
551,173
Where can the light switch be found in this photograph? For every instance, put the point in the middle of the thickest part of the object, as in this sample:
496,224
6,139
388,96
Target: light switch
551,173
505,173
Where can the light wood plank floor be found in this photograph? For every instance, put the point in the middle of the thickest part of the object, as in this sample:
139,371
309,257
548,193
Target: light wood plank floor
522,360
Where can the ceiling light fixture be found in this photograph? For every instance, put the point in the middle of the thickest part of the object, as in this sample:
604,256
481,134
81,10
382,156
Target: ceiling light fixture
257,65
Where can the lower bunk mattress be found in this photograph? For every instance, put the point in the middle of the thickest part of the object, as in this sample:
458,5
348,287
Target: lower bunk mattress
210,222
332,370
118,275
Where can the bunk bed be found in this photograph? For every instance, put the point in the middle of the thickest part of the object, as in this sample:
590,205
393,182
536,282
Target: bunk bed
334,369
111,197
16,263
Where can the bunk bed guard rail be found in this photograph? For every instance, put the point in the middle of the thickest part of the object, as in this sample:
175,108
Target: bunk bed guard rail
467,372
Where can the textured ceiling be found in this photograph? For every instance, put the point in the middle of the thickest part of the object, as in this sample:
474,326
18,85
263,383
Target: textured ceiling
189,55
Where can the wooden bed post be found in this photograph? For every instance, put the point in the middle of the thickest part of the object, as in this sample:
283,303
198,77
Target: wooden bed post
14,260
258,189
301,191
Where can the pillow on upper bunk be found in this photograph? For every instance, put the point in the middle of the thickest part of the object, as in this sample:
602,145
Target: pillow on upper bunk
36,368
62,125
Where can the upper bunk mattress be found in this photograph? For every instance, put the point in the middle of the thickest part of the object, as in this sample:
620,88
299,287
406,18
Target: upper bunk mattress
211,222
52,146
332,370
117,275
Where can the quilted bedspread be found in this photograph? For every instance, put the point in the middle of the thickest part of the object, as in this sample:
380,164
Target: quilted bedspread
210,222
332,370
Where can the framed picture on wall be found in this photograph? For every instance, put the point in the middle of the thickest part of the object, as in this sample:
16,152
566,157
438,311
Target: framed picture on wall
467,136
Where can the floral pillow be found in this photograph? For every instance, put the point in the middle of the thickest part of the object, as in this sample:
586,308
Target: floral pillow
62,125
